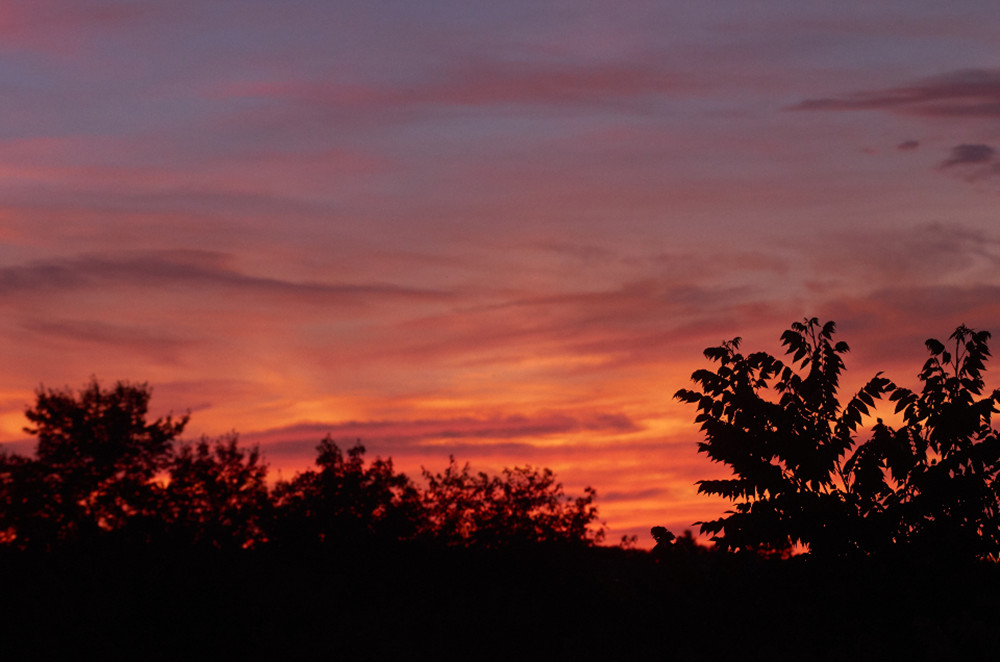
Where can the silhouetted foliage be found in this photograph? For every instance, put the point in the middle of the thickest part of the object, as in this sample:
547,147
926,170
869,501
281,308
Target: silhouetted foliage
662,536
802,476
526,505
345,501
102,471
24,502
217,494
938,486
95,461
454,566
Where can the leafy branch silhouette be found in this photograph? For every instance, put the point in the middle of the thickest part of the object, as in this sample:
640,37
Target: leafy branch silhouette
803,474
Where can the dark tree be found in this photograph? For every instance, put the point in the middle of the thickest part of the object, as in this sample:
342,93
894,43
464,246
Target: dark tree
801,476
96,459
347,502
933,481
102,471
26,515
783,434
525,506
216,495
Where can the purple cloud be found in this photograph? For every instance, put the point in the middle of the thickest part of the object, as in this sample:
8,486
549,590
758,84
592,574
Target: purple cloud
157,347
964,93
192,269
969,154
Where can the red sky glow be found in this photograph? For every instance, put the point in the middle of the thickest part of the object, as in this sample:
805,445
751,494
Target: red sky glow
505,233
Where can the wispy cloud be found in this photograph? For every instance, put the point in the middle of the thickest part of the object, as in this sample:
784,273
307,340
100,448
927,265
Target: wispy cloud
964,93
570,332
491,83
154,346
887,328
192,270
541,437
531,427
481,84
918,254
54,27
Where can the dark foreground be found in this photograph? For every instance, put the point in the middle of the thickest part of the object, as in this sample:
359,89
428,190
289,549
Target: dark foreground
420,603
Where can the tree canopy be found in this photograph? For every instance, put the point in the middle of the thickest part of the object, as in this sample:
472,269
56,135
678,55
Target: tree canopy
95,462
523,506
345,502
805,472
216,494
103,470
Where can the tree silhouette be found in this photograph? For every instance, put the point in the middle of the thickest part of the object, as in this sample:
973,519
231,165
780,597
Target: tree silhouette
801,476
26,512
95,461
217,494
784,451
933,480
526,505
103,472
346,502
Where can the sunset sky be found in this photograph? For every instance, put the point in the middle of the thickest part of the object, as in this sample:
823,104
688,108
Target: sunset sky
504,231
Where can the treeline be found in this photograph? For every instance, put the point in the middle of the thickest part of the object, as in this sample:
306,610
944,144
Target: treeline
103,474
352,559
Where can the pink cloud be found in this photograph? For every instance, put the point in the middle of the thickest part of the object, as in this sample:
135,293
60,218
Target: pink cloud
63,29
492,83
484,83
199,270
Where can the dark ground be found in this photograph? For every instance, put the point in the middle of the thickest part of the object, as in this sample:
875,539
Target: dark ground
420,603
